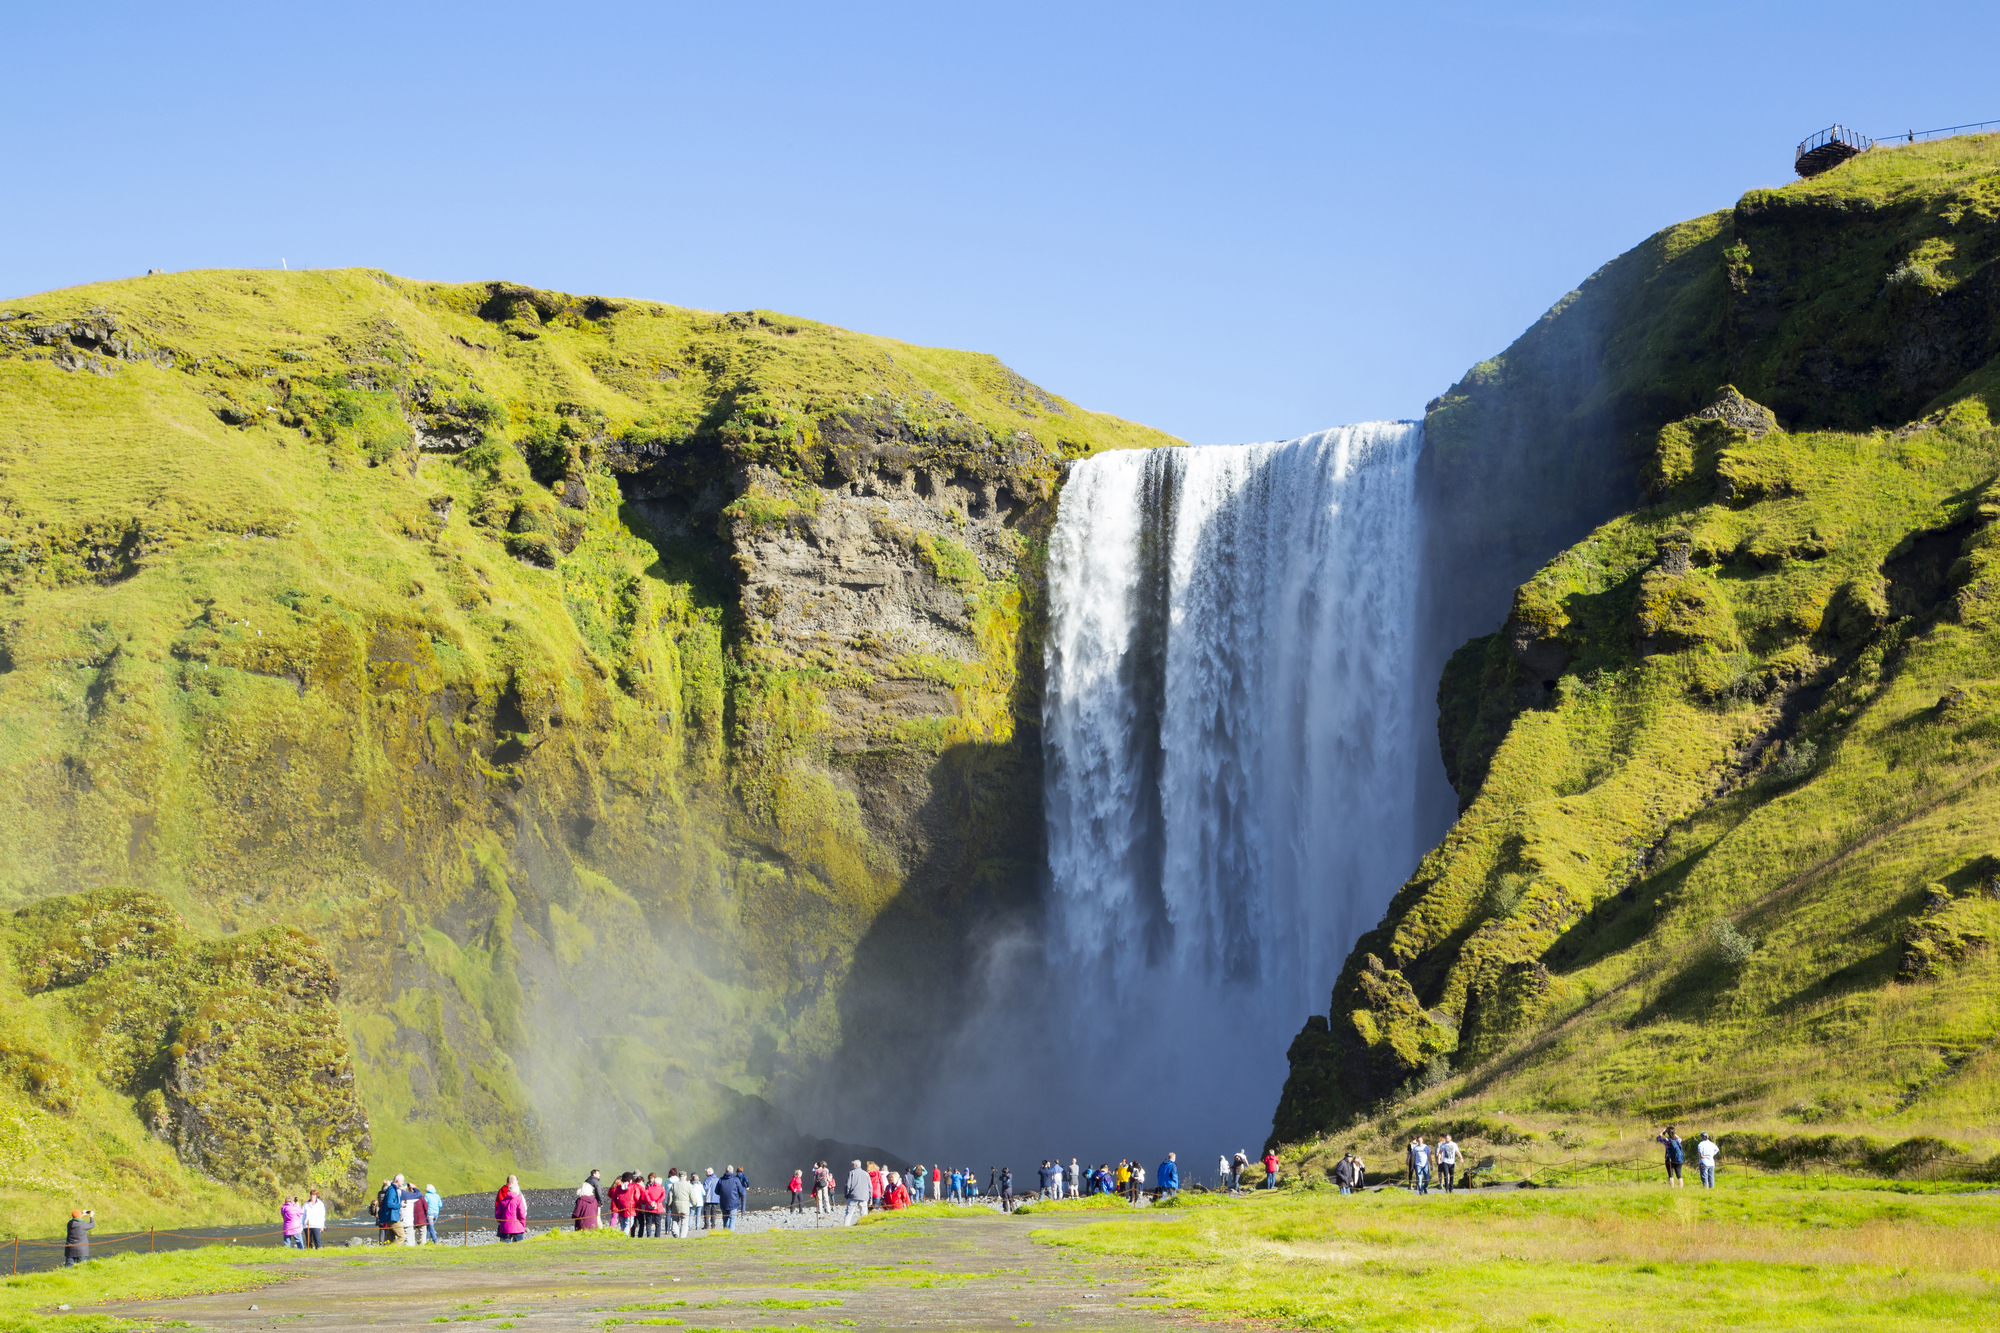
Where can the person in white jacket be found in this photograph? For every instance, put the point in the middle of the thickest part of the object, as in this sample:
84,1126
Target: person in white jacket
1447,1155
315,1219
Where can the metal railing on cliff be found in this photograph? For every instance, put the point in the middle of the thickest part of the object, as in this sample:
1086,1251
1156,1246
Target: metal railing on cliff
1836,143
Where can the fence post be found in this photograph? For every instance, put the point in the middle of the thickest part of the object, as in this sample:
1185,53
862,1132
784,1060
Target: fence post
149,1240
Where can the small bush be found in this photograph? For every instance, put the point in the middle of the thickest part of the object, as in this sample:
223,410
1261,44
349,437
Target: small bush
1734,946
1793,764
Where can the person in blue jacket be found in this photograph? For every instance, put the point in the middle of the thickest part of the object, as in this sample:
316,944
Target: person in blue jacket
729,1189
1169,1179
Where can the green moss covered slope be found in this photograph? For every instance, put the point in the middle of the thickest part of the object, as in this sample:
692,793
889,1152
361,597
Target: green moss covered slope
1728,842
511,646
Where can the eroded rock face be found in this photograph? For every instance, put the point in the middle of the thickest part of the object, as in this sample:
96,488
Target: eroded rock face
1733,409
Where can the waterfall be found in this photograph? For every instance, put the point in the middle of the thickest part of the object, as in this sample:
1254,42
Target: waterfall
1231,730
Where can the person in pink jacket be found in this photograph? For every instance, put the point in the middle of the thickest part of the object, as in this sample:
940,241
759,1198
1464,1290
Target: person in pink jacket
293,1214
510,1210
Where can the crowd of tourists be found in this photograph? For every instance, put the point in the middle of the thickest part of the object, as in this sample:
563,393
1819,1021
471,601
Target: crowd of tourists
405,1214
682,1202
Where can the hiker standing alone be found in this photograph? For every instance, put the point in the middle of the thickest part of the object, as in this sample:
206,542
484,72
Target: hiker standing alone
76,1241
1707,1151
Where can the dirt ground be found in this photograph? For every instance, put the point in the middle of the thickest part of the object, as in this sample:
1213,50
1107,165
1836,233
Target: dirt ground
972,1272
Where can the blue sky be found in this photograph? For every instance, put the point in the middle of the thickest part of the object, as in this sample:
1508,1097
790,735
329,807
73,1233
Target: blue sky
1234,221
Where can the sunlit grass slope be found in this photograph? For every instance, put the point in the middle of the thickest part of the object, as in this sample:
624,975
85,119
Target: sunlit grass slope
332,600
1728,844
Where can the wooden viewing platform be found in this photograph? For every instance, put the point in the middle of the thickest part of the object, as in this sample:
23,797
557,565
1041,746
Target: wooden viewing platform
1829,148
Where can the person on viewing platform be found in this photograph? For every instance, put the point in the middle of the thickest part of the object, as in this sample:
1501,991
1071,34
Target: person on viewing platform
1447,1162
584,1214
76,1241
1075,1179
857,1194
315,1219
1706,1151
1006,1189
1343,1173
711,1205
1270,1169
1138,1181
1676,1154
1169,1179
899,1195
433,1209
798,1188
596,1182
292,1217
510,1211
937,1184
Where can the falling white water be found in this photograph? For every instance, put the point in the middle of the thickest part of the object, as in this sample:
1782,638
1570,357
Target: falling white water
1231,739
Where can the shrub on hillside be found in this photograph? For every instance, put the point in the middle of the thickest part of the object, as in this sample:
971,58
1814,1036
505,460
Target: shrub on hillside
1734,946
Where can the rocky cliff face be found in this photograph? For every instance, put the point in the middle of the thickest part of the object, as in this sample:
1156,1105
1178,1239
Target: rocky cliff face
1694,818
606,687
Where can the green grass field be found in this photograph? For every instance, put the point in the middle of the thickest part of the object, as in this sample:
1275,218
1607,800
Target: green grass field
1758,1253
1761,1252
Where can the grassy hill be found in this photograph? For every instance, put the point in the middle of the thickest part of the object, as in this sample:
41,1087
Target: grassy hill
485,637
1729,843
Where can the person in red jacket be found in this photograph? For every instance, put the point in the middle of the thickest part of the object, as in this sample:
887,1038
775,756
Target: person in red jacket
1270,1169
798,1188
896,1196
652,1205
623,1204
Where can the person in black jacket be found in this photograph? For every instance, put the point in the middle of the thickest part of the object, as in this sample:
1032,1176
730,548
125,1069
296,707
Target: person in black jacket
1006,1189
76,1243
